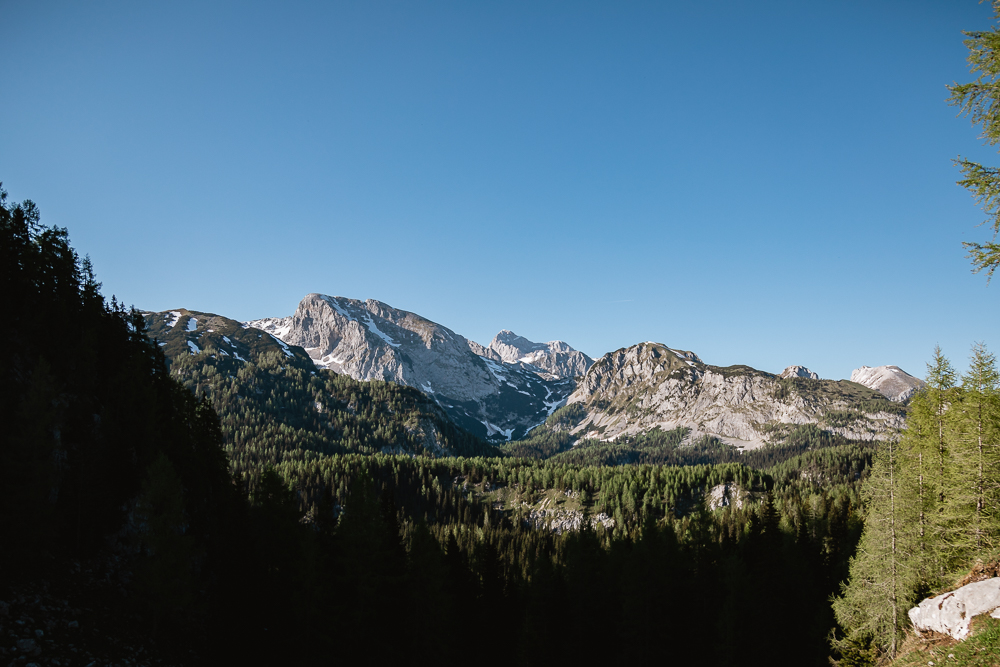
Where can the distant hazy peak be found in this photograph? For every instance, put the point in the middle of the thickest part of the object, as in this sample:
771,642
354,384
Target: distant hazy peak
891,381
556,357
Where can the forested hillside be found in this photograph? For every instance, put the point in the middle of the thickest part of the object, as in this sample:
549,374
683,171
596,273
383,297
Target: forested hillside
931,502
275,404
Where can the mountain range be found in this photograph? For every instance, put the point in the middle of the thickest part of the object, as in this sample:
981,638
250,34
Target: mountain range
501,391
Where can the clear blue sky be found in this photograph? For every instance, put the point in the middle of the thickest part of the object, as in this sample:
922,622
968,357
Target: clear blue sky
766,183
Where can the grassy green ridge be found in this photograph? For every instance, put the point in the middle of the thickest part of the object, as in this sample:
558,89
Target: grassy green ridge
276,405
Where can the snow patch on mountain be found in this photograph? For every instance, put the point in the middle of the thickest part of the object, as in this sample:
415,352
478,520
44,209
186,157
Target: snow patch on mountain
370,340
284,346
495,369
375,330
276,326
336,306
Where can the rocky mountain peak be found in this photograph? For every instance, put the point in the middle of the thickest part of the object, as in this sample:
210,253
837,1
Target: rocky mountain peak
798,372
891,381
650,385
371,340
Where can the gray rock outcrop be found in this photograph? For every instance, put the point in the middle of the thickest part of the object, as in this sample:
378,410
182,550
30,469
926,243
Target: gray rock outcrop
798,372
891,381
558,520
952,613
724,495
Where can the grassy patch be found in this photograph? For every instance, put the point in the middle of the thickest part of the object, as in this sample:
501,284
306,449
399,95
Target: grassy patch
982,649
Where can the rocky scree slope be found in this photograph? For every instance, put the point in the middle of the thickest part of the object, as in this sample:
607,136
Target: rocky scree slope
369,340
636,389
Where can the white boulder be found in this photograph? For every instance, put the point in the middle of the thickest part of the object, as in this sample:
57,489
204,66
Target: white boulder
952,613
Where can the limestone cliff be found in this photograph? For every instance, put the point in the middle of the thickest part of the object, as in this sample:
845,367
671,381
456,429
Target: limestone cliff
635,389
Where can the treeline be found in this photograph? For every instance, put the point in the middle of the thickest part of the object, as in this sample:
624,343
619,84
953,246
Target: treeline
445,490
931,502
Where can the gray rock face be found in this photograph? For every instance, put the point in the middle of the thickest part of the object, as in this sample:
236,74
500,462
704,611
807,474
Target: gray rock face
891,381
798,372
369,340
635,389
724,495
481,351
560,521
556,357
952,613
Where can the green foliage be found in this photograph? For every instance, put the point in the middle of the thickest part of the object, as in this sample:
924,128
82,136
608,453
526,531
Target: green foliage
979,650
980,99
566,417
275,408
883,572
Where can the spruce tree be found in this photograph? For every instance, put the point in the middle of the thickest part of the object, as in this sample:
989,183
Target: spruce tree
926,450
981,452
980,99
872,605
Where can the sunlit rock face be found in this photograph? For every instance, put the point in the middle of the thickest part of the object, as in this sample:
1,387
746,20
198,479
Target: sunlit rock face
370,340
650,385
891,381
952,613
798,372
